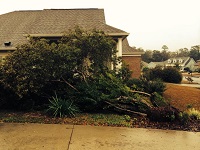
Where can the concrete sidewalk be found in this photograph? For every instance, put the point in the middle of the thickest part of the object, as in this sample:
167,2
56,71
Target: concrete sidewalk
69,137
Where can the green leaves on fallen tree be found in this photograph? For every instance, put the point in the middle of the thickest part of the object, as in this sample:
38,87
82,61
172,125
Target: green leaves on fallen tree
38,67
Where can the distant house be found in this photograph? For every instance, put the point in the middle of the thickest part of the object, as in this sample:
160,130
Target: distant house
156,64
144,65
17,26
180,62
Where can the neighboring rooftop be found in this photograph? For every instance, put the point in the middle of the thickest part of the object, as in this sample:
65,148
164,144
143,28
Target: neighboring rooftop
180,60
15,25
128,50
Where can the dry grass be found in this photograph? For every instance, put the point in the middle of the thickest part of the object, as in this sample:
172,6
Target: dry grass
182,96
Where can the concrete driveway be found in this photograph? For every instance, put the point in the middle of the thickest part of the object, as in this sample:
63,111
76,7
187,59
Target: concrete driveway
69,137
196,79
196,82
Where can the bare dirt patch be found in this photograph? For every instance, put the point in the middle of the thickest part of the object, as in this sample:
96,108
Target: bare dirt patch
182,96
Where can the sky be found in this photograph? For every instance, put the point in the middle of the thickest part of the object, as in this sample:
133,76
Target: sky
150,23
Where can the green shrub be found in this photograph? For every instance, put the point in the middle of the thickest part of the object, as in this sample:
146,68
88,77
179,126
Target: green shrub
146,85
8,98
155,73
152,86
127,118
189,114
89,97
135,84
159,100
172,75
184,117
169,74
61,107
193,113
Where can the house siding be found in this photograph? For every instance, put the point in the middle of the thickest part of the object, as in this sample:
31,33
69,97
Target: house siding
134,63
191,64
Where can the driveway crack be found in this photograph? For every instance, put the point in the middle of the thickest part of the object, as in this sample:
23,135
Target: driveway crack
70,137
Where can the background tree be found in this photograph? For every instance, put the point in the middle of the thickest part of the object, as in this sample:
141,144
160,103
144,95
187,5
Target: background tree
165,55
183,52
164,47
157,56
147,56
195,52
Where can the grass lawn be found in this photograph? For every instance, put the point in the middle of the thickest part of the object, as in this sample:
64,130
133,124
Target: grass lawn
182,96
97,119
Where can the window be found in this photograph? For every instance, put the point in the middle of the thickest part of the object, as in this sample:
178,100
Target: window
169,61
174,60
180,60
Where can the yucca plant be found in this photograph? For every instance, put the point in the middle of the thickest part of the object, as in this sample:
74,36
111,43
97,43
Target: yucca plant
193,113
59,107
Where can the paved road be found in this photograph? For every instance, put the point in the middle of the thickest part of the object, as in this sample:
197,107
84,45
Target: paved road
196,79
69,137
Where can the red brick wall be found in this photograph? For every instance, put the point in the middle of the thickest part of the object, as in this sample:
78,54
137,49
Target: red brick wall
134,63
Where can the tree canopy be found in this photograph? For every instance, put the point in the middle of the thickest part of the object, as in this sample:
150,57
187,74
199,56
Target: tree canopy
38,66
162,55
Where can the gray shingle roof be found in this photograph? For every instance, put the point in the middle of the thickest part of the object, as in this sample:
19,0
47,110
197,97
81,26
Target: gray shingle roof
128,50
15,24
184,60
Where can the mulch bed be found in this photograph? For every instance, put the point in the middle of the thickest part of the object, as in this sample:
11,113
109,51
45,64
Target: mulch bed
137,122
192,125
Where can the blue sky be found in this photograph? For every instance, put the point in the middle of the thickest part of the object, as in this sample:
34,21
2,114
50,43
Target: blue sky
151,23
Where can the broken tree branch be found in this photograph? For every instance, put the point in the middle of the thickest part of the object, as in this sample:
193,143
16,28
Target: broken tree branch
140,92
64,81
123,109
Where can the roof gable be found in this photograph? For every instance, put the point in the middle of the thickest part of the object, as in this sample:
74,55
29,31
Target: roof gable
179,60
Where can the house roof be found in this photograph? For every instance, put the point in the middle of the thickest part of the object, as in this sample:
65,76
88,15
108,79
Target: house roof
15,25
184,60
158,63
144,64
128,50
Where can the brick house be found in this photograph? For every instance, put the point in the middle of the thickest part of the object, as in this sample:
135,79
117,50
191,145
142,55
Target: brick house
17,26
